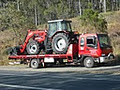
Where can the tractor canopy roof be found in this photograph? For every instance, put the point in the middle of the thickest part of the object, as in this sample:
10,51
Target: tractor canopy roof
60,20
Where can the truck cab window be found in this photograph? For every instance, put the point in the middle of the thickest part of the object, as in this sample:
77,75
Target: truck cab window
91,42
82,42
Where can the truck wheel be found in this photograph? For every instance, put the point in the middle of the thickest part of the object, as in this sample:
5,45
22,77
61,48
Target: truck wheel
35,63
33,48
89,62
60,43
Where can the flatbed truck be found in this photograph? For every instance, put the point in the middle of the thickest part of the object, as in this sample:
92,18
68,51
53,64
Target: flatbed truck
88,50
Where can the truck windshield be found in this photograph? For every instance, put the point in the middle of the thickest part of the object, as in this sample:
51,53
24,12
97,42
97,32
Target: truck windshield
104,40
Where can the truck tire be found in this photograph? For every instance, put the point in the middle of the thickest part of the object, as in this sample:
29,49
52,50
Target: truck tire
33,48
35,63
60,43
89,62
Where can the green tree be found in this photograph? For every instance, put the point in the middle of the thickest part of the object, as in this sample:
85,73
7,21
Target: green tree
13,20
93,19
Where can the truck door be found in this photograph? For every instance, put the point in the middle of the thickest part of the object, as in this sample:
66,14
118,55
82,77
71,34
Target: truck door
91,46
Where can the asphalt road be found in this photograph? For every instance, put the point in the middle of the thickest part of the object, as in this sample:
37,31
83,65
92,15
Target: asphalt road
35,80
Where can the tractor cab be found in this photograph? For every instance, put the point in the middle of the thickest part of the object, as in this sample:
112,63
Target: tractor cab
59,36
59,25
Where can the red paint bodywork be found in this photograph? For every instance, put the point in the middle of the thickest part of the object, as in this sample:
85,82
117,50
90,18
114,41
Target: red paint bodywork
38,35
93,52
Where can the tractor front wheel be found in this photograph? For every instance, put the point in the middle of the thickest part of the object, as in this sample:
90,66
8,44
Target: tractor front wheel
33,48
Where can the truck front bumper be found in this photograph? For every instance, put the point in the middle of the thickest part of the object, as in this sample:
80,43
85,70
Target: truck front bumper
105,59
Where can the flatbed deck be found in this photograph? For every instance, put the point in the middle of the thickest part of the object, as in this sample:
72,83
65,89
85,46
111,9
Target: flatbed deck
40,56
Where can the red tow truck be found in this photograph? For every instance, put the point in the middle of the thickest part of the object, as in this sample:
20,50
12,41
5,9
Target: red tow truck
87,49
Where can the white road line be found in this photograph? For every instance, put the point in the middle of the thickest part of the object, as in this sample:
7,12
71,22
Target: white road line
20,74
26,87
15,75
99,79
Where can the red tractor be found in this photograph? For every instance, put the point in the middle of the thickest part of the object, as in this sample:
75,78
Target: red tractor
56,39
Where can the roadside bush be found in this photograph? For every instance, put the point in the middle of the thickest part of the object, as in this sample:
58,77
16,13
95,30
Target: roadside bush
91,18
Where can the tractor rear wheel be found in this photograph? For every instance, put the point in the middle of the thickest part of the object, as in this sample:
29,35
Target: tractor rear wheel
33,48
60,43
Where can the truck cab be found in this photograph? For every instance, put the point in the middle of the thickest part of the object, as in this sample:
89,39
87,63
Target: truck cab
96,46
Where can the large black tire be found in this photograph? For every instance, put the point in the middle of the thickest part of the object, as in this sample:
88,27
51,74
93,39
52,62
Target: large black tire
60,43
35,63
33,48
89,62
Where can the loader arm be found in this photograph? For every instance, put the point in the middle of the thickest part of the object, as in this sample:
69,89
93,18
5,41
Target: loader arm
38,35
